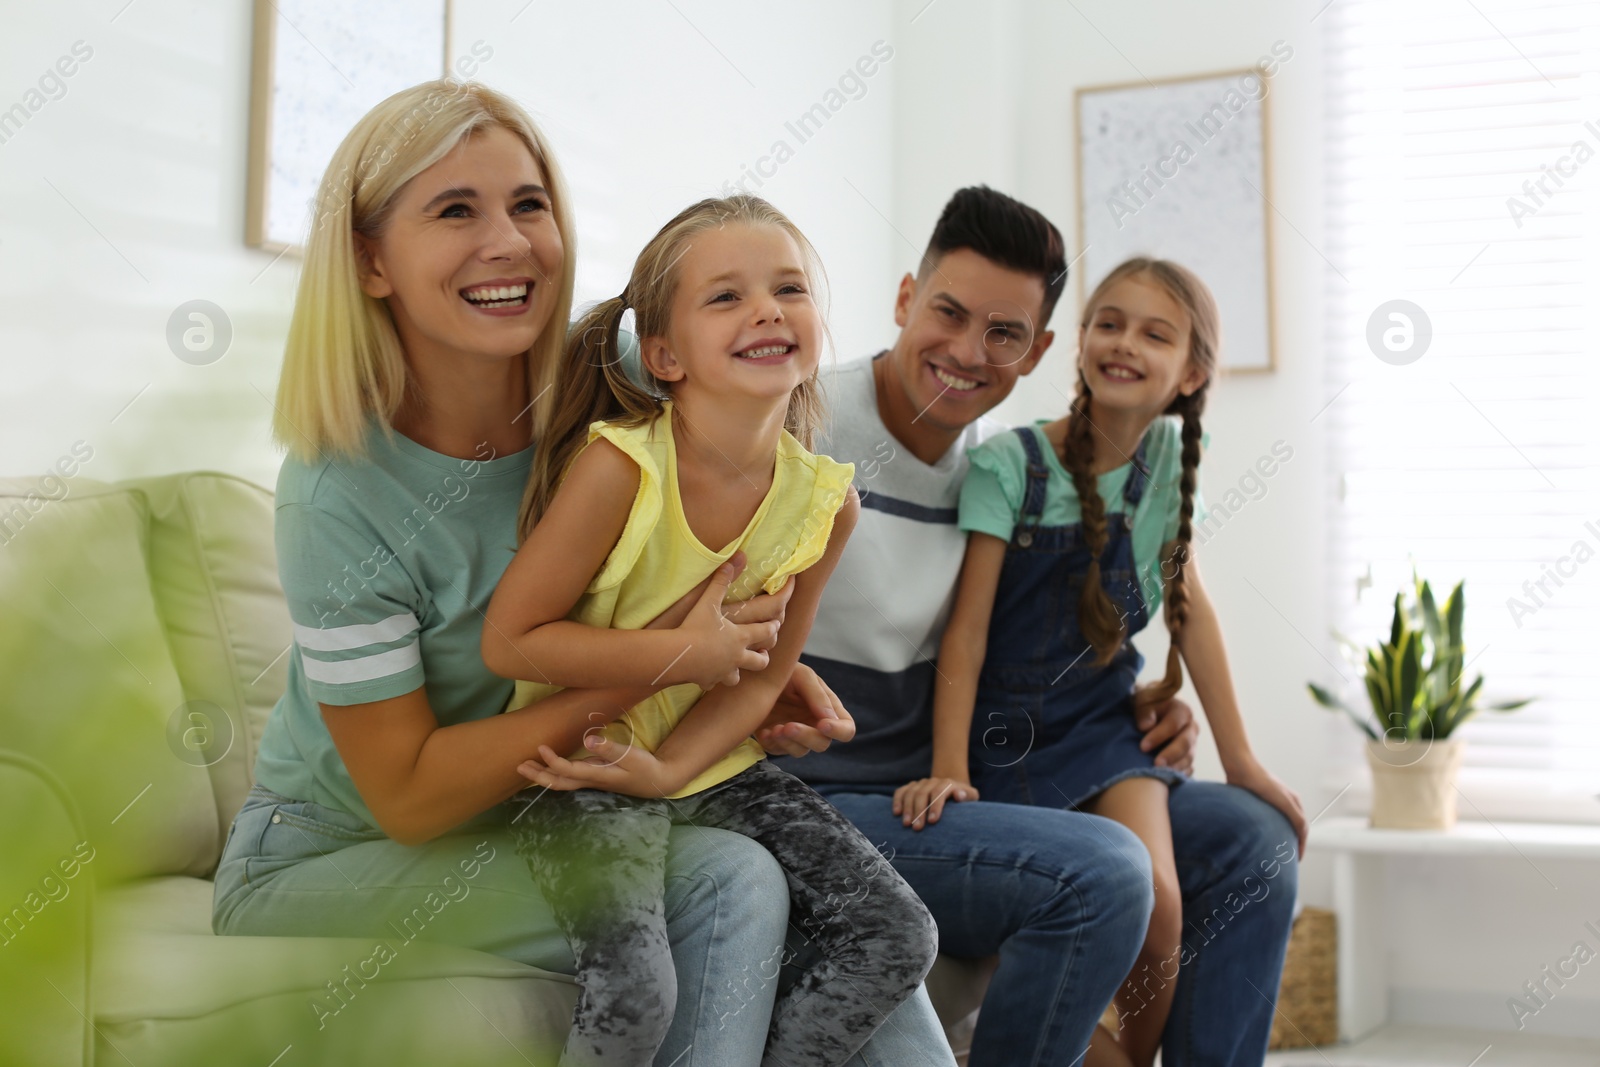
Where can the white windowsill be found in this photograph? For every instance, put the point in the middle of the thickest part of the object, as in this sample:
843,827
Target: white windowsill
1467,838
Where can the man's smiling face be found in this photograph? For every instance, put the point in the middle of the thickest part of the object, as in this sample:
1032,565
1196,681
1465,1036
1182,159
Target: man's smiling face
969,328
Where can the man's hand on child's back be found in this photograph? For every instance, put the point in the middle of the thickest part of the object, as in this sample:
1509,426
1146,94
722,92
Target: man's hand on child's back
807,717
1170,730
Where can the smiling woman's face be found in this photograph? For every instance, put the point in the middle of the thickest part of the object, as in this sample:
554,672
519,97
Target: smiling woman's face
470,258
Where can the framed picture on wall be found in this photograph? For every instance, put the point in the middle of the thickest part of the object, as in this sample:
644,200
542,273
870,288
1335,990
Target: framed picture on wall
1178,169
317,68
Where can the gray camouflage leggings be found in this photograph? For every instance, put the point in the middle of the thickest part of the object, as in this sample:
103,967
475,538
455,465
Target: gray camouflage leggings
599,859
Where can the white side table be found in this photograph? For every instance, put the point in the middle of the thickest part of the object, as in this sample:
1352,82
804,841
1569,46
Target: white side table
1359,855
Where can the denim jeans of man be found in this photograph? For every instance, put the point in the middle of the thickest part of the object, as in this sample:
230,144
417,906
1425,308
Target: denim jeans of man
1064,898
294,868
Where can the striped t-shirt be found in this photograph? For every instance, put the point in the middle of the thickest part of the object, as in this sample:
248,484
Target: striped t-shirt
388,563
883,612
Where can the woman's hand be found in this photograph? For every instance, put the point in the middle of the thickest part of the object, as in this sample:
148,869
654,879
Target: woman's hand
923,800
616,768
807,717
1266,785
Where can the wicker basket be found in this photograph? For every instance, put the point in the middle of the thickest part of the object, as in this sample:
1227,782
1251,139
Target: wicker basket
1308,1000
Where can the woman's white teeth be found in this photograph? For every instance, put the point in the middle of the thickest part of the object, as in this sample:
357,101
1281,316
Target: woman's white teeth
497,296
960,385
1120,373
763,352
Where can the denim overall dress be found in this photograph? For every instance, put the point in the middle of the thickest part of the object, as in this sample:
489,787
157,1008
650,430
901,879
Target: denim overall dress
1050,726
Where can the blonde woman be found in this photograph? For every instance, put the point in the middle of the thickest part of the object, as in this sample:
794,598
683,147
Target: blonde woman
436,288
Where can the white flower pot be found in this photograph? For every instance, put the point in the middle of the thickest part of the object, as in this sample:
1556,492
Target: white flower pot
1414,783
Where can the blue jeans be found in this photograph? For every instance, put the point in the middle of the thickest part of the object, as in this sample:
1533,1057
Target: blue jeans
298,869
1064,899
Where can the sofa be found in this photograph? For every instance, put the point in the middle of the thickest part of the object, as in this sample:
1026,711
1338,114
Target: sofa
143,642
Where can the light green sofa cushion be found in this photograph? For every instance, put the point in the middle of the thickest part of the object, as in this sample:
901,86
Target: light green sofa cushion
215,579
169,991
87,685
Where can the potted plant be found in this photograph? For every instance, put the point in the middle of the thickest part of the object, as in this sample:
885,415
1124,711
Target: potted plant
1413,683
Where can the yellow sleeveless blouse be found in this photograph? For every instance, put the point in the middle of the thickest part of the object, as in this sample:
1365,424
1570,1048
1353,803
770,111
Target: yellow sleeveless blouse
658,559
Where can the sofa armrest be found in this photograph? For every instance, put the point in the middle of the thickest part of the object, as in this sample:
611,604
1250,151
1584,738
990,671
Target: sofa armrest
46,890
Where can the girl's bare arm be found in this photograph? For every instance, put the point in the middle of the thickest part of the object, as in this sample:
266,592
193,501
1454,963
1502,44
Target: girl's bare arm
526,633
1201,646
955,686
421,779
961,653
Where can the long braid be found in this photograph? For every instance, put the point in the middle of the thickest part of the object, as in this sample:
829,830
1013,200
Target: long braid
1098,617
1175,554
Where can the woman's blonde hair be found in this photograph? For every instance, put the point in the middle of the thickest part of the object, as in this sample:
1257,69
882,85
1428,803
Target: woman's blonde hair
592,384
343,365
1097,616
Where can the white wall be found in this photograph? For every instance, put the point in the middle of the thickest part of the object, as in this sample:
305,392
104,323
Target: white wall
125,197
123,200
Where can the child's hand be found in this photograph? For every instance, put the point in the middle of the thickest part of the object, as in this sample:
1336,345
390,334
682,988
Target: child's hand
1266,785
715,649
763,607
616,768
923,800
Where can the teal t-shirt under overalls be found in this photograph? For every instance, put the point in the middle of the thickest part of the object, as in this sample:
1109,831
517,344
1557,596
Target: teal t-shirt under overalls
1051,725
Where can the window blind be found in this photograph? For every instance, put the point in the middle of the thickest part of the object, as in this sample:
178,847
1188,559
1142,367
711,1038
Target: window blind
1462,168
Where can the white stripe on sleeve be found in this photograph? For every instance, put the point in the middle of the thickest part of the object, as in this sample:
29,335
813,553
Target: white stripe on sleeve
382,665
339,638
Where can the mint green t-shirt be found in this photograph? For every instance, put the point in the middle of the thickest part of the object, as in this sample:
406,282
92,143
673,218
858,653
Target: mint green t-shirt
388,563
991,496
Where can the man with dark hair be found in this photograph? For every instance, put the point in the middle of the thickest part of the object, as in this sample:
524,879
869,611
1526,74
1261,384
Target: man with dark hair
1063,898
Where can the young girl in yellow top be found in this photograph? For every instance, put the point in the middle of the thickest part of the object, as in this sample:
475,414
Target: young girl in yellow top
638,496
1056,580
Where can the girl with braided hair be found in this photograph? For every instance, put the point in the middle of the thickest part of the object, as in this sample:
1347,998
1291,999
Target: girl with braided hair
1078,528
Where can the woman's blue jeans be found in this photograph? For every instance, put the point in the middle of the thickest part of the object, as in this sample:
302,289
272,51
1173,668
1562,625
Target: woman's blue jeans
1064,898
298,869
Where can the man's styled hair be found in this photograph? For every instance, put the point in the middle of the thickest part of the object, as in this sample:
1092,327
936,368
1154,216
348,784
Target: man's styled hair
1005,231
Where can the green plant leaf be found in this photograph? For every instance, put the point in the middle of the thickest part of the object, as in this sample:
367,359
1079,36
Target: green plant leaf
1336,703
1407,669
1430,614
1414,679
1464,708
1324,697
1454,610
1378,689
1511,705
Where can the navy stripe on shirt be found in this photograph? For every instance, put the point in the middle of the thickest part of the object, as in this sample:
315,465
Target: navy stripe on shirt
905,509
